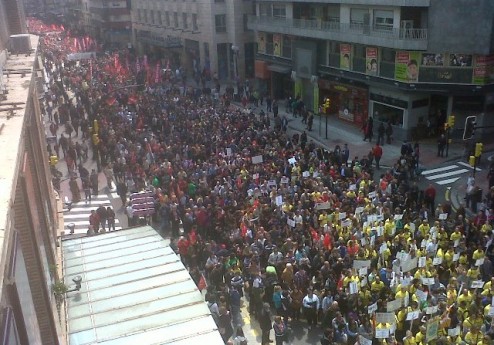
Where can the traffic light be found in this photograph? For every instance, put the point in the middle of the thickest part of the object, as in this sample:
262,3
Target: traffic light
469,130
471,161
53,160
451,121
327,105
478,149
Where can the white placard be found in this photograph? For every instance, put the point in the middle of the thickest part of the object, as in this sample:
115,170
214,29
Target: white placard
322,206
456,257
228,151
359,210
306,174
382,333
385,317
315,174
479,262
372,195
437,261
353,287
362,271
285,180
342,215
453,332
421,295
428,281
290,222
383,247
431,310
443,216
363,282
491,311
456,243
398,216
255,176
352,187
363,241
422,261
409,264
412,226
271,183
292,160
257,159
346,222
413,315
477,284
372,308
394,305
279,200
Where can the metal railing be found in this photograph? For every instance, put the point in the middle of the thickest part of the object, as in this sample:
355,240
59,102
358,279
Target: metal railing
330,26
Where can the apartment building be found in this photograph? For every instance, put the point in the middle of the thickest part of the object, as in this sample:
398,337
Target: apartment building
199,35
106,20
409,62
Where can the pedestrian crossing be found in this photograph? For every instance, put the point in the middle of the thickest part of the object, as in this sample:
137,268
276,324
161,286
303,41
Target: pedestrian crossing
80,212
448,174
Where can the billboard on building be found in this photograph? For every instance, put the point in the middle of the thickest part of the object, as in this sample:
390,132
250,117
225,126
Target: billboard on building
277,45
261,42
371,65
407,66
345,56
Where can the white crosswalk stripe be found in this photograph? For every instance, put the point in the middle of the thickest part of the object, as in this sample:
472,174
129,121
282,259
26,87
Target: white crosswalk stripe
447,174
80,212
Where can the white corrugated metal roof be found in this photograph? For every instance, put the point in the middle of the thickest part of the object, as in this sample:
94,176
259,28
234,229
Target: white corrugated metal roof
135,290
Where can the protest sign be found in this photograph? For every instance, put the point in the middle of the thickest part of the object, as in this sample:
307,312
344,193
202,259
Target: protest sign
257,159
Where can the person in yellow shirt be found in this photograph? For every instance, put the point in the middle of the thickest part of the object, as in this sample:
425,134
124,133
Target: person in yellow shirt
424,228
377,285
456,235
420,337
402,293
478,254
466,296
473,336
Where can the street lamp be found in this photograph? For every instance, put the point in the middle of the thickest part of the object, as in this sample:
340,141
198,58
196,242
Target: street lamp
235,50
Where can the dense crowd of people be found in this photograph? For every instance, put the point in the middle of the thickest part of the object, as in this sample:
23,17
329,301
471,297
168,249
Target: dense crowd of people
287,225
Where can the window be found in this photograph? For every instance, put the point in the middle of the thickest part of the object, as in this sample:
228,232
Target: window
139,15
184,21
279,11
388,55
334,14
194,22
287,47
265,10
175,19
145,12
220,22
167,18
160,19
383,20
359,17
246,21
151,16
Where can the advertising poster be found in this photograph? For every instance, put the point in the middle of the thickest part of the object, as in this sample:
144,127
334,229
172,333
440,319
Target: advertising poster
371,61
261,42
345,56
406,66
483,69
277,45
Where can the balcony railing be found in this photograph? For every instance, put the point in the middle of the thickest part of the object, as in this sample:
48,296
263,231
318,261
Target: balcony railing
327,26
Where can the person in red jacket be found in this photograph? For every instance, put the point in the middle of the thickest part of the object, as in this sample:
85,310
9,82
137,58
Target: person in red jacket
183,249
430,197
378,153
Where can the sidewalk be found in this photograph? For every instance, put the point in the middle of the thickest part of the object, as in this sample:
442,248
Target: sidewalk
340,132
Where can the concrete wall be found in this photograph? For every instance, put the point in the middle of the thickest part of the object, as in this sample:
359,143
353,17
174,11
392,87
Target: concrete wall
461,26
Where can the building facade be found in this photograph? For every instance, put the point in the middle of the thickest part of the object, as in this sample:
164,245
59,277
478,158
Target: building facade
210,36
28,208
412,63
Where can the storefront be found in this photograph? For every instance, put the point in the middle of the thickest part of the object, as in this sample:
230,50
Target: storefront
349,102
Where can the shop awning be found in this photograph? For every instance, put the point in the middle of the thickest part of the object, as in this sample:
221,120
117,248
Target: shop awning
135,290
279,68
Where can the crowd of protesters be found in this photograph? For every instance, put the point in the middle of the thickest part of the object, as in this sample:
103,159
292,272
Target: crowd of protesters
293,229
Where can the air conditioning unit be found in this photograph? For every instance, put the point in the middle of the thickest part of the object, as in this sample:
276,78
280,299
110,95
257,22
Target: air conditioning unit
20,44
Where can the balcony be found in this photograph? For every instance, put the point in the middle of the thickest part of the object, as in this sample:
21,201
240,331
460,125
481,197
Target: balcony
401,39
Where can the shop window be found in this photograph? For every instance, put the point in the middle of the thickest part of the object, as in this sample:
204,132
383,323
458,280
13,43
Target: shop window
388,55
220,22
383,20
385,113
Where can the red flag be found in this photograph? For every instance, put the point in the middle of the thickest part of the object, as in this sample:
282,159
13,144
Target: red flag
202,283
